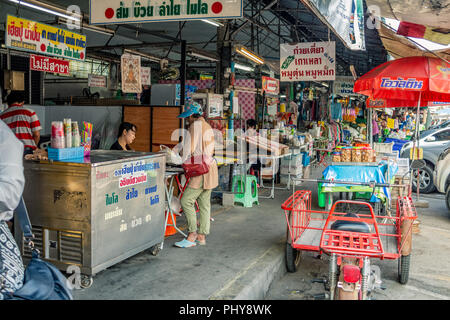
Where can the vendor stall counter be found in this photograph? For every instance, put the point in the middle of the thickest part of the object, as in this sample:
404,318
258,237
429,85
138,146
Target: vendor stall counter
96,211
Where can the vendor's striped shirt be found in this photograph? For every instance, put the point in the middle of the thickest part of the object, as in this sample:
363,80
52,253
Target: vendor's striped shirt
23,122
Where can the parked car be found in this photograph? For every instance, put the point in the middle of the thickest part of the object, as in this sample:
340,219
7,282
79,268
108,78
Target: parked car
432,143
442,175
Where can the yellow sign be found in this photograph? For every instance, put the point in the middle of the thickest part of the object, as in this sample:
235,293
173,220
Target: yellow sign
390,123
418,155
27,35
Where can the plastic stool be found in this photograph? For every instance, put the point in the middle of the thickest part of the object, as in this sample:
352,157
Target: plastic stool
250,196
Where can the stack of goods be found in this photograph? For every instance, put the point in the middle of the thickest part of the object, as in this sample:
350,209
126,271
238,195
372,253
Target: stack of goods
291,167
360,154
38,154
65,141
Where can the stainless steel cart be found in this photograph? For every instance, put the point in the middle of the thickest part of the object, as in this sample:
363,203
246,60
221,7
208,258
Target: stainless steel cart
95,213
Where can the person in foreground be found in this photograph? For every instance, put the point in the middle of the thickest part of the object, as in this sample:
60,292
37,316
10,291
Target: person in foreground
199,188
12,182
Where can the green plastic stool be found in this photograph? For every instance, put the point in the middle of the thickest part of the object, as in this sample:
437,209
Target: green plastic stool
250,196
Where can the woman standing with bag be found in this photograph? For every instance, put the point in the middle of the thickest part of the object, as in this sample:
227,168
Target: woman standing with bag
204,176
12,182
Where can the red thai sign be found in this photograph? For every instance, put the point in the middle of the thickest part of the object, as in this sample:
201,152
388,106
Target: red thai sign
47,64
270,85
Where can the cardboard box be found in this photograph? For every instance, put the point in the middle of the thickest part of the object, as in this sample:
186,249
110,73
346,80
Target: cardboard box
14,80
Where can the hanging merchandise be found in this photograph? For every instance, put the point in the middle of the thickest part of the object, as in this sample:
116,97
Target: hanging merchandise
336,110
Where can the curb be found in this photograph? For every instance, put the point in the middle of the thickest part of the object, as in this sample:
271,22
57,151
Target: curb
253,282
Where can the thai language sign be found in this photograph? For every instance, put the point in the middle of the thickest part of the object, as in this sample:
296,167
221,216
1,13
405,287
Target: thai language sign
146,76
97,81
271,85
343,86
126,11
47,64
346,18
27,35
308,61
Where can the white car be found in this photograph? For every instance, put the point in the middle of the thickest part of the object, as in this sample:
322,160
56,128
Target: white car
442,175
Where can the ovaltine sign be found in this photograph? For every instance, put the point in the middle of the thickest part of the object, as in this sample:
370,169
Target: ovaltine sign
128,11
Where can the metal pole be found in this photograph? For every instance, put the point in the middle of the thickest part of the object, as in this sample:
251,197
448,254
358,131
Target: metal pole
418,143
183,74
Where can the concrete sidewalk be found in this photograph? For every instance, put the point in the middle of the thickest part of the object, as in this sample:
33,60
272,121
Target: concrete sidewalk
243,255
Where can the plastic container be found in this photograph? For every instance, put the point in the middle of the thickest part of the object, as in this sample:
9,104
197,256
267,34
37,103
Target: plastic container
66,153
336,156
356,155
346,155
321,196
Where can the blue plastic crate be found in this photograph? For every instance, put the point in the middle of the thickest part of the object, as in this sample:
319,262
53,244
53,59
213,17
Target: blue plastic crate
398,144
66,153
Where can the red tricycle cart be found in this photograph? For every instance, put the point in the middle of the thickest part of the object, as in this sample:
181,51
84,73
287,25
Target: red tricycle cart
350,240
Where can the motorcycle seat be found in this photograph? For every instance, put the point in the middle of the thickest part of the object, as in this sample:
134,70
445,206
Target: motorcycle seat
352,226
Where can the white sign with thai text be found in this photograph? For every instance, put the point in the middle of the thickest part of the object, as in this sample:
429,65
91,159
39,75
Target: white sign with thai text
127,11
308,61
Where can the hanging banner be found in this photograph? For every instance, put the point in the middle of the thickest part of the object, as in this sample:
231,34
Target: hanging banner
131,73
47,64
343,86
96,81
308,61
26,35
131,11
271,85
146,76
345,17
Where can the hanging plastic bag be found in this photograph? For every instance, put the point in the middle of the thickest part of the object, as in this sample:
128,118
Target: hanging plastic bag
171,156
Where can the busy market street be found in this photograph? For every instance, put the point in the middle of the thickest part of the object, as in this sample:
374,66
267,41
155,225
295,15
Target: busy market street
216,152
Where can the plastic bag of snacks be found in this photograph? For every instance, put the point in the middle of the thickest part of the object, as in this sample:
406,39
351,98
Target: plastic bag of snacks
336,156
346,155
356,155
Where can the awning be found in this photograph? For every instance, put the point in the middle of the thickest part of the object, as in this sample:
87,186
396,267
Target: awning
400,47
432,13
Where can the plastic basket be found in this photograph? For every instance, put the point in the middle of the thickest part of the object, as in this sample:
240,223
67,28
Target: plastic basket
384,147
66,153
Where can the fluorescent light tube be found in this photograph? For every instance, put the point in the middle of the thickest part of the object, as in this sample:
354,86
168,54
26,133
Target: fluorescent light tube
201,56
250,55
56,13
243,67
213,22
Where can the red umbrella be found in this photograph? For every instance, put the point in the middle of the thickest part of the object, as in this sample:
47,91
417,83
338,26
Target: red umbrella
411,78
407,82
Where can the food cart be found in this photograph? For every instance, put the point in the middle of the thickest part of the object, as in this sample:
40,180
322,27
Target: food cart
97,211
